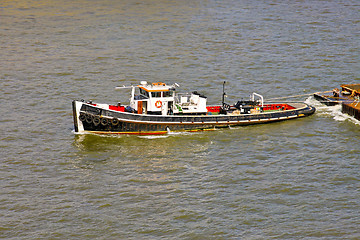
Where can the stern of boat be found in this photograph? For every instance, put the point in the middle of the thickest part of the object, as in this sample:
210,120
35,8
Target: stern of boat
311,110
304,109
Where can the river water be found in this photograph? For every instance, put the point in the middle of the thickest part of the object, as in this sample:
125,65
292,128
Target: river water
298,179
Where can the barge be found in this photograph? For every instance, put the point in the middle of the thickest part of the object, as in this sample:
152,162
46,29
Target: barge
348,97
156,108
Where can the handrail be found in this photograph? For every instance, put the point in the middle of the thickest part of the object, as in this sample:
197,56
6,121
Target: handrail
261,97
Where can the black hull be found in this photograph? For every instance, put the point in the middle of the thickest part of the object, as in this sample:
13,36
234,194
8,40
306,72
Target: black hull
88,118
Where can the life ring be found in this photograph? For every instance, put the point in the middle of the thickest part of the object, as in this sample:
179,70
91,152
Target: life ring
82,117
114,121
158,104
96,120
104,121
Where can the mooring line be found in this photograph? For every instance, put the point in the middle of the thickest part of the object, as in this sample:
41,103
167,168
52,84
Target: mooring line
301,95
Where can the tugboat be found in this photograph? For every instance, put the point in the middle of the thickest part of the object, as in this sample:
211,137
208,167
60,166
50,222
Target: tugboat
348,97
156,108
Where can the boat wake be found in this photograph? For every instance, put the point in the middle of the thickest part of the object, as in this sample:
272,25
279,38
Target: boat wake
332,111
169,134
154,136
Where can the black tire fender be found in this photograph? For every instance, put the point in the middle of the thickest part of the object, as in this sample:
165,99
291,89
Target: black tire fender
89,118
82,117
104,121
114,121
96,121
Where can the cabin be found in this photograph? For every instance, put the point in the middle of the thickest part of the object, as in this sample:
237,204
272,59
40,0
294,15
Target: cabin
161,99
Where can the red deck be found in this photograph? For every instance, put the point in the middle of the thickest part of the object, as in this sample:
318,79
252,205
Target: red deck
285,106
117,108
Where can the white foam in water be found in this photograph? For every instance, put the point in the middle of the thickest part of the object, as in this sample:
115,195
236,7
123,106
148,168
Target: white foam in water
334,111
180,133
169,133
154,136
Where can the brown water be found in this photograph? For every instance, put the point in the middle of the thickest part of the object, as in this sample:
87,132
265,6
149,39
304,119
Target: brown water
290,180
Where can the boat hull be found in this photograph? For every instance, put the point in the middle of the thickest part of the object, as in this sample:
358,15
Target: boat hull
327,99
90,118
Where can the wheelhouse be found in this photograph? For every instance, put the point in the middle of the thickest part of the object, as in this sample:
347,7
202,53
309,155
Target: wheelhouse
161,99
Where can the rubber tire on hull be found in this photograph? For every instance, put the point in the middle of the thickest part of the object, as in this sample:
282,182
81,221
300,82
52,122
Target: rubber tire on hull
96,121
114,121
82,117
89,118
104,121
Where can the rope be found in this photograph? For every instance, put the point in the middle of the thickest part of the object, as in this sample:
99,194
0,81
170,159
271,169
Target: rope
301,95
290,96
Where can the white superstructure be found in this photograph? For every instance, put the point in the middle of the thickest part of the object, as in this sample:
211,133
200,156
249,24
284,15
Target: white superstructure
161,99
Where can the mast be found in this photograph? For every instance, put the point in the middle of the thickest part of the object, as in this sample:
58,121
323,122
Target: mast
224,94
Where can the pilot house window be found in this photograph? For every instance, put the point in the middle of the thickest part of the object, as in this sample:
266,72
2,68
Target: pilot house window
167,94
156,94
144,93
